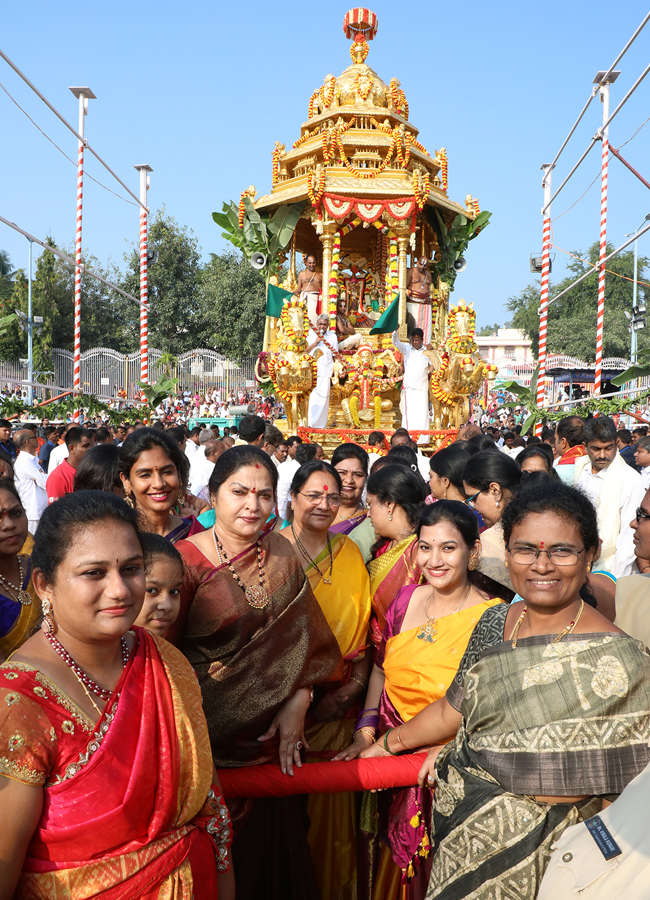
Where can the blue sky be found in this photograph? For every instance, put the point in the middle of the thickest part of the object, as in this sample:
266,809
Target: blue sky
201,91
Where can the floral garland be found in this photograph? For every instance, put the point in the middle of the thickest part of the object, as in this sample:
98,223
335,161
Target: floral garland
490,371
316,187
381,251
392,281
461,343
242,210
296,341
404,156
312,100
368,80
476,207
436,390
333,287
444,162
276,168
399,99
305,137
330,146
281,361
421,188
348,436
358,173
350,226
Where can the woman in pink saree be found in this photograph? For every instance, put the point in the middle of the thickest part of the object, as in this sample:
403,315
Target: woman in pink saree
106,778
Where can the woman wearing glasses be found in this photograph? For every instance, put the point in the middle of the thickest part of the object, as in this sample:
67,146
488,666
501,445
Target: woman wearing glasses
339,579
490,481
252,629
549,709
631,600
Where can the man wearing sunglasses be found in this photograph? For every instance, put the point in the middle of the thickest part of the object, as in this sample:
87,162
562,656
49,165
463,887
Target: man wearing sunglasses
615,489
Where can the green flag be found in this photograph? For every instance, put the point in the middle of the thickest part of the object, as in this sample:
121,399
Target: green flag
389,319
274,300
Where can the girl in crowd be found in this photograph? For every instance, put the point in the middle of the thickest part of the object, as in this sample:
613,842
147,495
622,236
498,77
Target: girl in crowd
259,641
446,473
351,462
20,608
395,498
514,770
427,631
154,472
163,582
490,481
339,580
90,804
99,471
537,458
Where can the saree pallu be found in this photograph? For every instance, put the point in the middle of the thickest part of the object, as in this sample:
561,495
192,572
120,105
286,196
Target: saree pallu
389,571
127,802
18,620
346,525
187,528
333,828
568,719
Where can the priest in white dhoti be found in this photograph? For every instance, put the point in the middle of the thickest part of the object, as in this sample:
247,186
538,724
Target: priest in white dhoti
322,339
414,401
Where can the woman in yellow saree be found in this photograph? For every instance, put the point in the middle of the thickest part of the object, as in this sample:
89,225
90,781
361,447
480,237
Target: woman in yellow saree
20,608
395,499
427,631
339,580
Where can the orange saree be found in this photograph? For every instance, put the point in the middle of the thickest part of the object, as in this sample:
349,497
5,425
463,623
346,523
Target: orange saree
129,811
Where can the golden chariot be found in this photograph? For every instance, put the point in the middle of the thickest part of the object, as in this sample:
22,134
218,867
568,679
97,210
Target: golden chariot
372,191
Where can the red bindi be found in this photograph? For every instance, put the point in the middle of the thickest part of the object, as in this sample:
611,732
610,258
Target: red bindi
252,490
325,487
257,465
541,543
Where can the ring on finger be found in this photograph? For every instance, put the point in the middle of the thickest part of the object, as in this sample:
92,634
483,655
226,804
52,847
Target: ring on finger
298,746
431,779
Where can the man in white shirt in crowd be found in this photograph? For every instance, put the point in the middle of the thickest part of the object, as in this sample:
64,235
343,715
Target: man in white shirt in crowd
376,441
60,452
202,465
323,339
192,442
642,459
414,400
273,438
30,478
615,489
280,454
286,471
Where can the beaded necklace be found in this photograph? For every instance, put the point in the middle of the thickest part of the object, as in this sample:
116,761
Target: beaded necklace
21,596
85,680
304,552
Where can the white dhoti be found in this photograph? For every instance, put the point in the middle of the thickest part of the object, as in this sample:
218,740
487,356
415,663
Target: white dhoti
414,400
311,300
319,399
419,310
352,340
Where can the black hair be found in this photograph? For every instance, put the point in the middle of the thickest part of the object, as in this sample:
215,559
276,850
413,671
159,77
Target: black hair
377,438
71,515
306,453
601,429
5,423
399,485
236,458
482,442
450,463
293,439
177,432
543,451
489,467
7,485
48,429
571,428
548,434
251,428
405,455
625,435
417,332
98,469
533,439
350,451
273,435
154,545
102,434
305,471
144,439
457,514
540,494
196,430
75,436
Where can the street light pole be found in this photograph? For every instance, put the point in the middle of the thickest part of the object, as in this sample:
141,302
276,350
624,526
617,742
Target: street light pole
638,313
30,334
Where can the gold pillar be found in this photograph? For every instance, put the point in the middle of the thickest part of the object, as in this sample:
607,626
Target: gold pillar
402,248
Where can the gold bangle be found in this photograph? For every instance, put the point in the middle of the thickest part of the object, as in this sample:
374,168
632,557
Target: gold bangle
365,731
359,679
400,739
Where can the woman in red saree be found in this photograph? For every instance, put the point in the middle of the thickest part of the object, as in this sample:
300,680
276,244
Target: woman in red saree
106,781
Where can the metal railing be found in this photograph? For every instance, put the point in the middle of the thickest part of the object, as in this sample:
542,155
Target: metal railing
104,372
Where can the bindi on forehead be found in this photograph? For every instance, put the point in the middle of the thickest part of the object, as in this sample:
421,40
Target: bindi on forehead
325,487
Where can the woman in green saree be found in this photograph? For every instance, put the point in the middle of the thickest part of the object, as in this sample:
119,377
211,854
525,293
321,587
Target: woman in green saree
550,706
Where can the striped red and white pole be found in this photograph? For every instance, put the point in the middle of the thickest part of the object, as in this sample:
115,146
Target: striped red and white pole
543,306
144,324
76,381
600,313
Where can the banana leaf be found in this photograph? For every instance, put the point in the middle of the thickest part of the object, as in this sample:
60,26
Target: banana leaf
222,220
286,218
635,371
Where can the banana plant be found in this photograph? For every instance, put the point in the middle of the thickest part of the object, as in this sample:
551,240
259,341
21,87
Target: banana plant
156,393
453,241
260,233
638,369
526,396
5,322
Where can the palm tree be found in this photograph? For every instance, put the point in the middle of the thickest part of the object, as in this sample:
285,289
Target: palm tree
6,270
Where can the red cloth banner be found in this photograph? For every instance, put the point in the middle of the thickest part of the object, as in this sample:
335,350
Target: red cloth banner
369,210
322,778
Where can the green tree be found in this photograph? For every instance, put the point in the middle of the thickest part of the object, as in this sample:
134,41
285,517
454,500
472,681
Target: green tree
175,312
488,330
14,342
572,320
6,276
233,296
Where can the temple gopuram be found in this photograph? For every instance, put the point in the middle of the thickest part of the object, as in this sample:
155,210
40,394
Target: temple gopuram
373,202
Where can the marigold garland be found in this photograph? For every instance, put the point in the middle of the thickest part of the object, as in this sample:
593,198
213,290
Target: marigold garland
316,187
360,173
392,280
398,98
351,436
421,188
276,167
461,343
444,162
476,207
333,287
364,93
242,210
305,137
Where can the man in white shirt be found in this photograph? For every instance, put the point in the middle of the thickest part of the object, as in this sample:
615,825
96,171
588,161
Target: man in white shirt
322,339
414,401
202,465
30,478
615,489
286,471
192,443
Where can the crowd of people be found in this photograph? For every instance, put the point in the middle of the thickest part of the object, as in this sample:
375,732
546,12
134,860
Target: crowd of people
176,605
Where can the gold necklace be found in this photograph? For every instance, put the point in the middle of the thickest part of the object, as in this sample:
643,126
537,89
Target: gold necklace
21,596
257,597
304,552
356,512
428,631
558,637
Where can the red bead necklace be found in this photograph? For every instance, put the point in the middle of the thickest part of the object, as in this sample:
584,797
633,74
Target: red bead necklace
86,680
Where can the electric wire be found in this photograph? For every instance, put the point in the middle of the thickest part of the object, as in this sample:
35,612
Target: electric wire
62,152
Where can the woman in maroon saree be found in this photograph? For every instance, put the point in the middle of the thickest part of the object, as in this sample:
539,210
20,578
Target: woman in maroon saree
106,784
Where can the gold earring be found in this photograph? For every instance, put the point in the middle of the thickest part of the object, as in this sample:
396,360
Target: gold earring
390,516
445,497
47,621
129,502
472,565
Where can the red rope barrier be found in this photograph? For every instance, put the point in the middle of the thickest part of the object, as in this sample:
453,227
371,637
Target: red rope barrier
322,778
